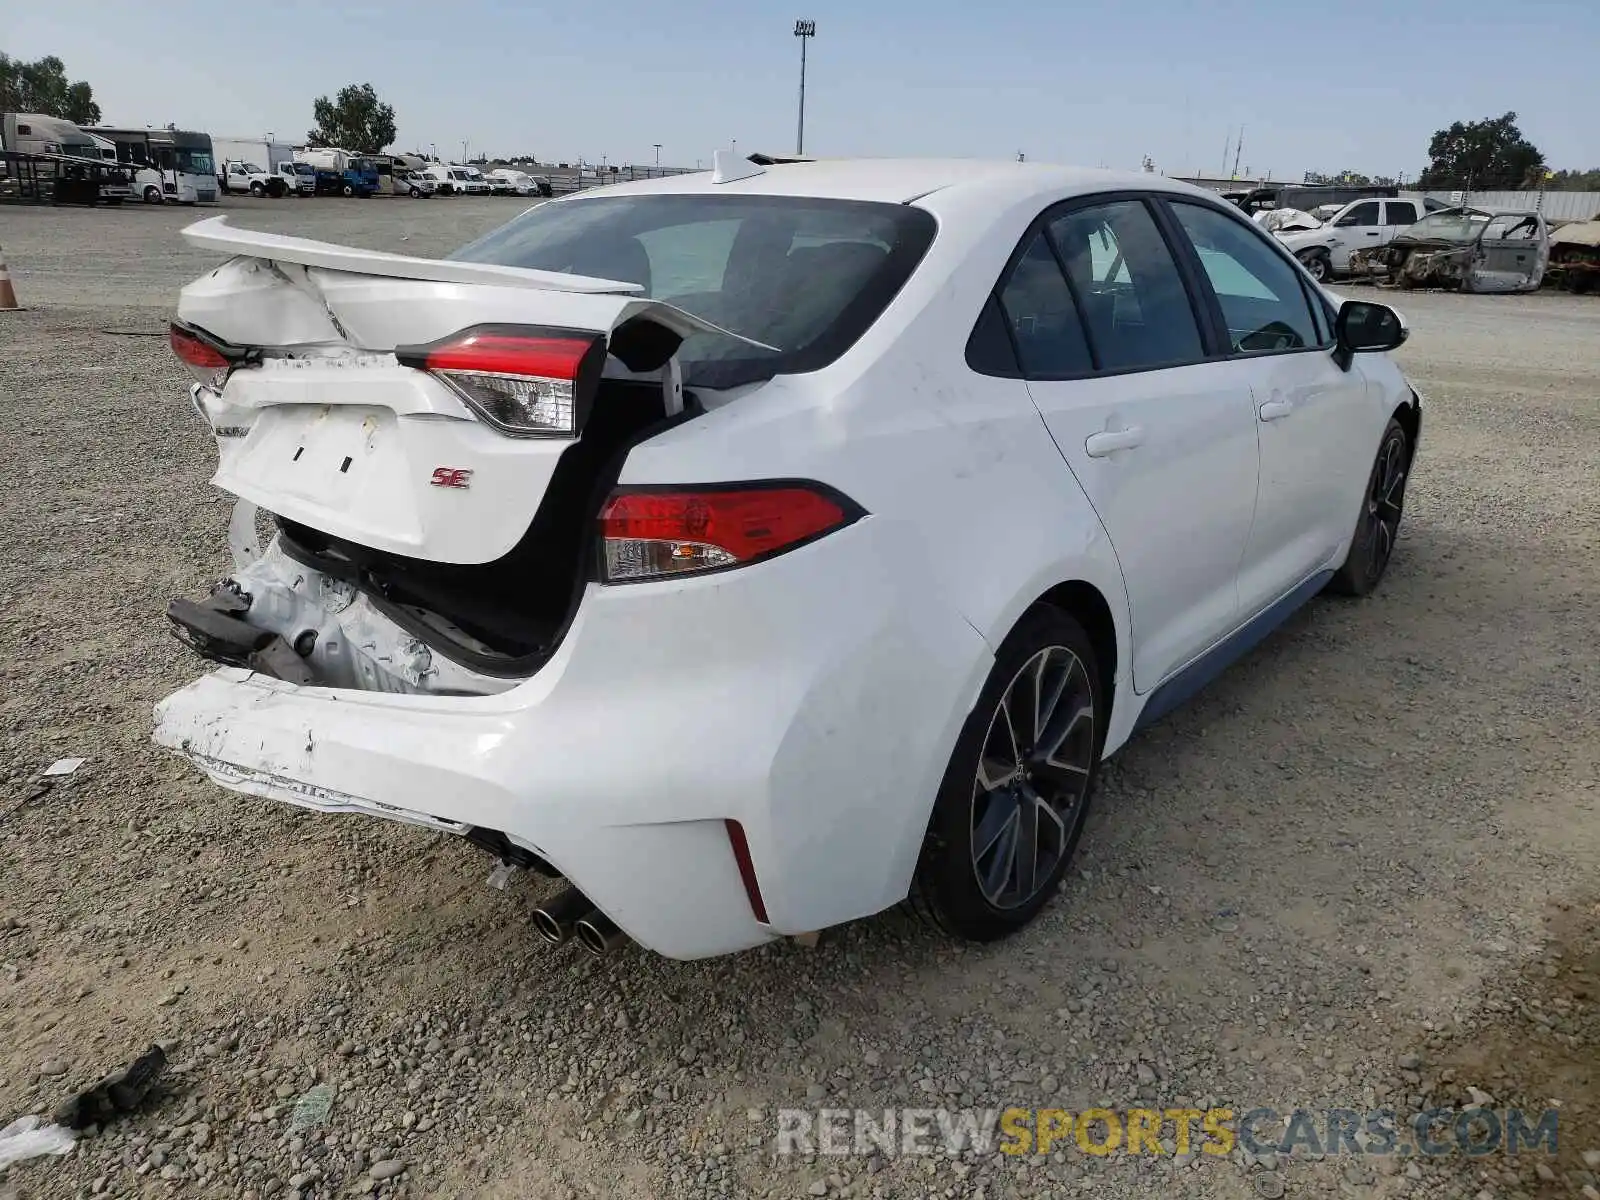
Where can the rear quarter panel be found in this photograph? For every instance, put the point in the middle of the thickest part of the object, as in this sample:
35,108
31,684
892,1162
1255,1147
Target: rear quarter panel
971,502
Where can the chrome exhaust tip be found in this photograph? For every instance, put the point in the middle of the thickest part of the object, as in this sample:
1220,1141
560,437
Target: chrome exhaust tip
598,934
555,920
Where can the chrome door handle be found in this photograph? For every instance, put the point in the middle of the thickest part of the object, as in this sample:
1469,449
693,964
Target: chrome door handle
1274,410
1098,445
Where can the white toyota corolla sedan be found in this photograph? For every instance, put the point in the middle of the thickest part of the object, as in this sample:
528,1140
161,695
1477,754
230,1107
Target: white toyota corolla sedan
759,548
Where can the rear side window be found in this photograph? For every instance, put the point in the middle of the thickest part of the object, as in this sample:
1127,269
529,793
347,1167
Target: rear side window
1044,321
1402,212
804,277
1134,303
1260,294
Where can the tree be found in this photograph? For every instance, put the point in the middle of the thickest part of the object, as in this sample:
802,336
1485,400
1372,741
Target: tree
42,87
1488,155
1574,181
357,121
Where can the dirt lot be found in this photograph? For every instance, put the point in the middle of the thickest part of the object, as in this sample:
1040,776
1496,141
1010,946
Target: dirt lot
1359,872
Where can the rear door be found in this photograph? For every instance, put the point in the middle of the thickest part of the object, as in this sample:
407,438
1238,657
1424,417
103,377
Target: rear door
1359,227
1315,440
1398,215
1159,433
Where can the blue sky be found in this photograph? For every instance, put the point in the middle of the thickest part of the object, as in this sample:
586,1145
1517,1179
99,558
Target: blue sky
1334,84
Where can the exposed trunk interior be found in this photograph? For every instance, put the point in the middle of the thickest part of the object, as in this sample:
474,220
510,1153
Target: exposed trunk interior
505,617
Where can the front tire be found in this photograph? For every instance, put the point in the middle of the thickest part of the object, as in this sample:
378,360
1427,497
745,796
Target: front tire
1378,527
1319,266
152,194
1011,808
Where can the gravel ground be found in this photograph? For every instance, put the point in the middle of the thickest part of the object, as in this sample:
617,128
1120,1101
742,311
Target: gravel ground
1358,872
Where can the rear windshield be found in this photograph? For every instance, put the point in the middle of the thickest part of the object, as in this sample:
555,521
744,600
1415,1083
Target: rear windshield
805,277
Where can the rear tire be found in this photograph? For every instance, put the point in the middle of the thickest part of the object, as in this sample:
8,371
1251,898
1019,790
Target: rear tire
1382,507
1012,804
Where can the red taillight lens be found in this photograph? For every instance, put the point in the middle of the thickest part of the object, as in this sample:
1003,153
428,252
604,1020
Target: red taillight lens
499,354
194,351
654,533
524,381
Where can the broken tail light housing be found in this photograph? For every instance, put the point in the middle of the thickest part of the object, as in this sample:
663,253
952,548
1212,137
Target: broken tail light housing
525,381
657,533
208,359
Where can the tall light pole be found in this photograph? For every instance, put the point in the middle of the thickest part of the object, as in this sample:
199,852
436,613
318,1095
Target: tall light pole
805,31
657,145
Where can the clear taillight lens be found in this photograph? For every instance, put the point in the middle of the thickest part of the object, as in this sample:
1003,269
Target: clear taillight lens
656,533
515,403
525,382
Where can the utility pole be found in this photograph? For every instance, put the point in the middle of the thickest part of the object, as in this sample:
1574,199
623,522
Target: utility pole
805,31
1238,149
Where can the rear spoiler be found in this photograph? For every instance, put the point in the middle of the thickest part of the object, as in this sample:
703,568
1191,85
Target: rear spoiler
215,233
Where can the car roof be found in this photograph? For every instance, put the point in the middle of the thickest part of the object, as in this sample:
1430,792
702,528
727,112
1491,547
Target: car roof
901,180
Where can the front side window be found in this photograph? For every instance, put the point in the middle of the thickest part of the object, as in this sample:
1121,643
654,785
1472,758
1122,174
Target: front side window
1133,299
1262,300
1360,216
805,277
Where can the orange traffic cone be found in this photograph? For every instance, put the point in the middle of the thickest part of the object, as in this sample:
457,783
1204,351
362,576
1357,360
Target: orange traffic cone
8,294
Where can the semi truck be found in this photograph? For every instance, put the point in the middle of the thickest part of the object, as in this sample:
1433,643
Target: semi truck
57,153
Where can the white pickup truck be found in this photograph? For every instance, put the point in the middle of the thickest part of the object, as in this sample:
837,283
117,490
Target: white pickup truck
244,177
1359,225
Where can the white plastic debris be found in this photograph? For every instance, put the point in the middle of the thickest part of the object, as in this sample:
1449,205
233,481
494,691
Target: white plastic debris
502,875
64,766
29,1137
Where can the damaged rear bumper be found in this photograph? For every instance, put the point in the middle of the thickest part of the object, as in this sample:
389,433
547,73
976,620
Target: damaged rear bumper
817,711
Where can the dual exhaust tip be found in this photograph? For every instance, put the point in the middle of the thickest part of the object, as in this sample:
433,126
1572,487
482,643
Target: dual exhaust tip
569,915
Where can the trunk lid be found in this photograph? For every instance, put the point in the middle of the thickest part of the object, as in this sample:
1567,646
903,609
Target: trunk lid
319,422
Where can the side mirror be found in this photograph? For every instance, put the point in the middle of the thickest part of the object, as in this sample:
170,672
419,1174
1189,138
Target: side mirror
1363,326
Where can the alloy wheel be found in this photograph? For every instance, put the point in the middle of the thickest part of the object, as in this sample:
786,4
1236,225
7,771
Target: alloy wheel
1032,779
1386,503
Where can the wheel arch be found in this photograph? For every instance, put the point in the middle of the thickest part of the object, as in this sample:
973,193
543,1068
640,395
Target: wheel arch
1084,602
1409,414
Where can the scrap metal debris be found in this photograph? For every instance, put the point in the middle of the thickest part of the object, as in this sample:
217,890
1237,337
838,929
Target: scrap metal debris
1464,249
1575,256
116,1094
64,766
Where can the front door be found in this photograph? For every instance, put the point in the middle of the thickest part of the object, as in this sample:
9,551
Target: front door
1512,255
1359,228
1308,411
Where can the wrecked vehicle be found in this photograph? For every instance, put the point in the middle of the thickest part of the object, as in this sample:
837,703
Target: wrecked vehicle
1286,220
1326,249
1575,257
1464,249
682,540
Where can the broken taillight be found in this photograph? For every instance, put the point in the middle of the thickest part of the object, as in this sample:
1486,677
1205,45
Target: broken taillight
205,362
653,533
524,381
